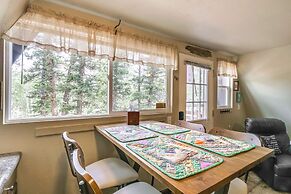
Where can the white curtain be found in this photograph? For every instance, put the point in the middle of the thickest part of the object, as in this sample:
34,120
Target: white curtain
226,69
54,30
143,50
57,31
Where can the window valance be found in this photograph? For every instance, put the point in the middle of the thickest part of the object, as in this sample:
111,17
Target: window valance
226,69
143,50
54,30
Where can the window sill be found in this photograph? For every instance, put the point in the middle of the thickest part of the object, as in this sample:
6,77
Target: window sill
68,118
87,124
223,108
199,120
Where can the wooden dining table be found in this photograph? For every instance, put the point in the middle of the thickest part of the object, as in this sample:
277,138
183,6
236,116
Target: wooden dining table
216,179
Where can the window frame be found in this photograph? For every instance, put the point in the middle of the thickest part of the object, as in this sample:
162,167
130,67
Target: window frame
230,94
199,84
7,79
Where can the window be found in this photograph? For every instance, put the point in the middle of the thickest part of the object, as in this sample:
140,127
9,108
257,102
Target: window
138,87
224,92
197,93
45,84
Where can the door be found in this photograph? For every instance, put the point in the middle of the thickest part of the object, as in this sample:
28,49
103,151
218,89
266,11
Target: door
195,92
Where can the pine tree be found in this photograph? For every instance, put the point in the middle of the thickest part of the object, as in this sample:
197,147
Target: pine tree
121,86
153,86
43,77
66,85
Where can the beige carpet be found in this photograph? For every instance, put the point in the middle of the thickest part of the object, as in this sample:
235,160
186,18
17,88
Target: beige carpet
257,186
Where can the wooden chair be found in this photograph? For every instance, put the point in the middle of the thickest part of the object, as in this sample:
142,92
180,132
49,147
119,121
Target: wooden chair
193,126
109,172
88,184
247,137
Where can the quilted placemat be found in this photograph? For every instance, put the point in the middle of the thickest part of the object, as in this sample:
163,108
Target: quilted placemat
129,133
175,159
164,128
217,144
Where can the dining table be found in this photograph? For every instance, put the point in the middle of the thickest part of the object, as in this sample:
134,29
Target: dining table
216,179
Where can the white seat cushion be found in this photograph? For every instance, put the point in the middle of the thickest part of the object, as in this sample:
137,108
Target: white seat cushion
111,172
237,186
138,188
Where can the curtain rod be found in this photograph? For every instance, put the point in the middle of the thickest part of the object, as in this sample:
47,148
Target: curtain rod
198,64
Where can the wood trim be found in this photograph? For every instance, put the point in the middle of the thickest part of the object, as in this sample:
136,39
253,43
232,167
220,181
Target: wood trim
88,125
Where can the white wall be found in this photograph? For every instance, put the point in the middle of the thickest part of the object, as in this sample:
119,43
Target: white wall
266,82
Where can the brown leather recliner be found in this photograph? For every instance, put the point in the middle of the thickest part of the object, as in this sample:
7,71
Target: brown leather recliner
275,171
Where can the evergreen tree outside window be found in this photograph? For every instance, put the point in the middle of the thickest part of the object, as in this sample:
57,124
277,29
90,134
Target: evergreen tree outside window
58,84
138,87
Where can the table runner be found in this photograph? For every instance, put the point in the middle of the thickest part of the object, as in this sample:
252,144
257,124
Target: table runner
221,145
164,128
129,133
175,159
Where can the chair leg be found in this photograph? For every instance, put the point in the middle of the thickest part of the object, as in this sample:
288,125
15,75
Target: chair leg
121,155
136,167
153,181
166,191
246,176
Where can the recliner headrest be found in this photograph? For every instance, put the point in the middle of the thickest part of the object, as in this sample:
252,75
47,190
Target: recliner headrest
265,126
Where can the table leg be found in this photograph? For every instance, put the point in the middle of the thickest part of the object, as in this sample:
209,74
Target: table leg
246,176
121,155
136,167
223,190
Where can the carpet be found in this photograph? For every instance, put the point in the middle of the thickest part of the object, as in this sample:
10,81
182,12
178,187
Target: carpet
257,186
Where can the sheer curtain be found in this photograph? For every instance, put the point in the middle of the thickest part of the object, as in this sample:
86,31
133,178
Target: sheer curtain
226,69
143,50
54,30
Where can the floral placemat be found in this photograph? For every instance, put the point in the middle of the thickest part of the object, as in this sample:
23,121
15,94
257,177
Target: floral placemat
175,159
129,133
164,128
217,144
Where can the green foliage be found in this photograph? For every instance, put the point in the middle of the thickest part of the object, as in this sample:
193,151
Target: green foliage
137,87
57,83
43,75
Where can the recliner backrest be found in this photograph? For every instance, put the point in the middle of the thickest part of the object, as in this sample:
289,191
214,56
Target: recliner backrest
267,127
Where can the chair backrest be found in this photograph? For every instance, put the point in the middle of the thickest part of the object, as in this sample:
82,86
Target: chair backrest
247,137
86,183
193,126
267,127
70,145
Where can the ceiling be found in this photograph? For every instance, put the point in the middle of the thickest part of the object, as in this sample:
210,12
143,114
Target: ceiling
235,26
10,11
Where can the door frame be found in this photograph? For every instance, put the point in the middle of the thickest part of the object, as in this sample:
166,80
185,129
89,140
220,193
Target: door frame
181,90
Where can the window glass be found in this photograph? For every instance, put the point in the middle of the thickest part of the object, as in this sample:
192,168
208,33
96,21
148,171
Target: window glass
224,92
44,84
138,87
197,93
51,83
